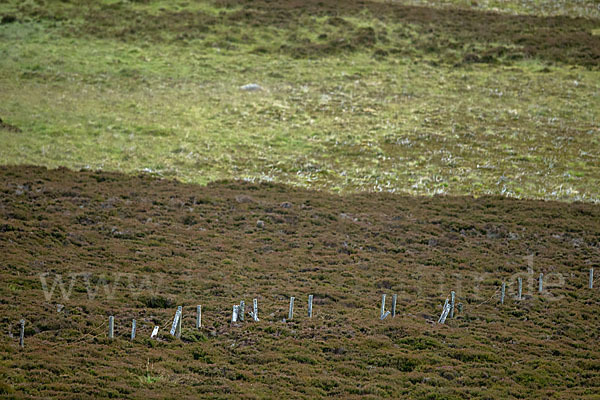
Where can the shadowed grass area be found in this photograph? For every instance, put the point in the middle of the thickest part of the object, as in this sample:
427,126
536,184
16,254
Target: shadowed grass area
359,96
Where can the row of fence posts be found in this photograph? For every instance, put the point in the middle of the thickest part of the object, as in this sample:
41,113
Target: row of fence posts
239,310
237,315
540,286
448,307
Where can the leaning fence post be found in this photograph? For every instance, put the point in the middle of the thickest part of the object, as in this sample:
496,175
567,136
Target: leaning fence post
241,310
452,296
176,327
198,317
520,293
445,311
291,311
111,327
382,306
502,292
22,334
394,299
591,278
178,332
133,329
310,301
541,283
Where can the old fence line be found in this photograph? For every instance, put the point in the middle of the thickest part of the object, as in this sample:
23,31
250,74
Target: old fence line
238,311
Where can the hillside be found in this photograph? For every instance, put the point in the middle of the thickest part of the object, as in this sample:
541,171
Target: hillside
138,246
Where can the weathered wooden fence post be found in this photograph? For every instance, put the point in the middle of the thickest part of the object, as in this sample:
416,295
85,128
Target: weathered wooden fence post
520,293
310,301
241,310
255,310
178,331
198,317
382,306
22,334
111,327
541,283
452,297
133,329
291,311
176,327
503,292
394,300
445,312
234,313
591,278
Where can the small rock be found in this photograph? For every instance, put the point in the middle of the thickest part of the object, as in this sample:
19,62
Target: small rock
260,224
59,307
286,205
251,87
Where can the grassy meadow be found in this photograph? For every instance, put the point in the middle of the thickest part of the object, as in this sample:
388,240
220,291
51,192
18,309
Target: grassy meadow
447,97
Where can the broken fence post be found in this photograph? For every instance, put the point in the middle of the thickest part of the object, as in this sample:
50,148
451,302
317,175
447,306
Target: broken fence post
234,313
591,278
111,327
520,293
198,317
503,292
310,301
452,296
154,332
241,310
133,329
22,334
445,312
382,306
291,311
394,299
541,283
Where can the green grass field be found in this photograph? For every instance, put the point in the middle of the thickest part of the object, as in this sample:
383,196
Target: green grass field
353,99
